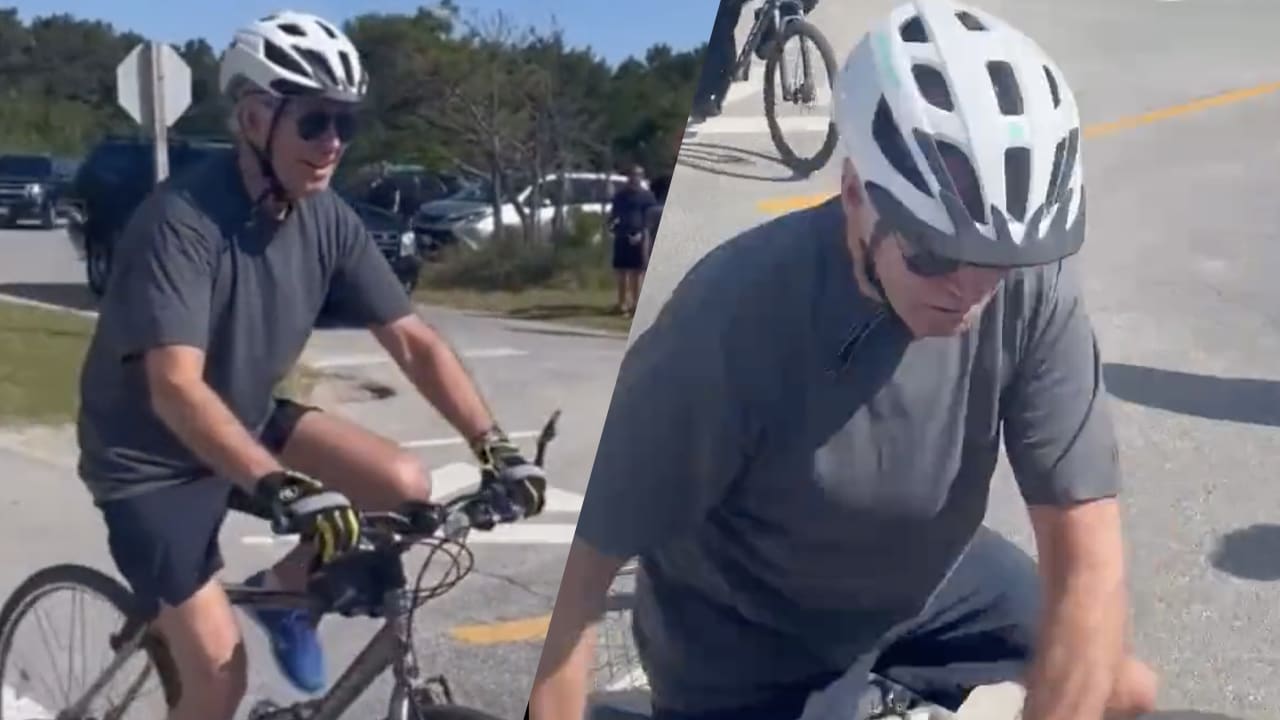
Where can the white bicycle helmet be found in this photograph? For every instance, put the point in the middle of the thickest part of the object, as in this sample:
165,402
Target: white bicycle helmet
292,53
966,136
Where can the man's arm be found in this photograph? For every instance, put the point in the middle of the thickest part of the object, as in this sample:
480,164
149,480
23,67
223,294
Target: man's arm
562,681
1062,449
365,292
1084,616
433,368
195,413
678,432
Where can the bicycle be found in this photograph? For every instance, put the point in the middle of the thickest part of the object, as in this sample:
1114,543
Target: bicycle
621,683
784,20
369,582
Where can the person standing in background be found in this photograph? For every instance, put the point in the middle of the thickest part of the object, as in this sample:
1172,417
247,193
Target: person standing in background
629,220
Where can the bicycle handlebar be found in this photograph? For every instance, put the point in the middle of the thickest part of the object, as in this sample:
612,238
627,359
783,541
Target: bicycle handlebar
418,520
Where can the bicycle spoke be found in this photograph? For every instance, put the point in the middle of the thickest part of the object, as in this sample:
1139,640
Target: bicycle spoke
53,662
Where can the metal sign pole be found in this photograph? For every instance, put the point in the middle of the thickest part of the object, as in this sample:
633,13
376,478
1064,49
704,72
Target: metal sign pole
159,126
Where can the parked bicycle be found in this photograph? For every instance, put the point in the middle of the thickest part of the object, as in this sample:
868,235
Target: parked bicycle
777,23
369,582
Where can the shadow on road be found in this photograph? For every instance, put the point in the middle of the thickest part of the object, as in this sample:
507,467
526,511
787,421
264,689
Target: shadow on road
1244,400
1249,553
716,159
73,296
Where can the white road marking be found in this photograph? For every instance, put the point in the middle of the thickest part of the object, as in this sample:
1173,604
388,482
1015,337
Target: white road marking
443,442
454,478
748,125
47,306
340,361
752,87
21,708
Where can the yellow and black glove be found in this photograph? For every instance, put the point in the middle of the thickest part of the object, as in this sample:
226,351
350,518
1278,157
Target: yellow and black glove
504,468
322,517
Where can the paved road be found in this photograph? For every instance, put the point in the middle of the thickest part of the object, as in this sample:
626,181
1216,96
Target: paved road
486,634
1180,258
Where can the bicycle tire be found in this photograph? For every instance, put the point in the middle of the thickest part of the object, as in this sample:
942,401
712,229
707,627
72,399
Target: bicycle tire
805,29
59,577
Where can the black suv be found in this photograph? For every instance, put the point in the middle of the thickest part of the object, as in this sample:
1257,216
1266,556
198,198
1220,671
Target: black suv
119,173
31,188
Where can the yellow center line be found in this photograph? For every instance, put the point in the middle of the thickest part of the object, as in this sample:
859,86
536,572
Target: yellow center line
501,633
780,205
535,628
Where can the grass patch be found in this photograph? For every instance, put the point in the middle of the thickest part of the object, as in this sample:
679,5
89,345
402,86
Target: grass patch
299,383
569,280
41,352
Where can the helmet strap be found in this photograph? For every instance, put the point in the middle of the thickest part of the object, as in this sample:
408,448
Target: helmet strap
870,245
275,190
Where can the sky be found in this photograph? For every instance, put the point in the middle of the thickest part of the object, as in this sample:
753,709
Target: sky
614,29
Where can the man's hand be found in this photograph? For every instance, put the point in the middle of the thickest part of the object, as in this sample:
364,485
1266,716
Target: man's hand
503,464
300,504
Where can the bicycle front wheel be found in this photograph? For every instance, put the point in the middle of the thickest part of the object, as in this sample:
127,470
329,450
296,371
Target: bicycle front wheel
107,670
806,91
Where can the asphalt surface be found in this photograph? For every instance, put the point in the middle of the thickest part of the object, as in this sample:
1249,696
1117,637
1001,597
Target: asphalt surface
1180,280
485,635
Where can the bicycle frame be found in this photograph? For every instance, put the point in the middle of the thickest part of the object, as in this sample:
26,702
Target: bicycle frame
389,648
771,12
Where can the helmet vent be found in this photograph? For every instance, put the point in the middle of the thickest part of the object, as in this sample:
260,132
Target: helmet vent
1055,175
292,29
913,31
347,69
1017,181
888,137
328,29
319,64
970,22
965,177
277,56
1053,86
1005,84
933,86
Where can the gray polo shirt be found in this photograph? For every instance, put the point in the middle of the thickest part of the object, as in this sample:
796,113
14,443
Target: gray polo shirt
197,265
798,474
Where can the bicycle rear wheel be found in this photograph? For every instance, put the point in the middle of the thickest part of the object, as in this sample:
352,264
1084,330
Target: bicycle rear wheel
25,700
806,33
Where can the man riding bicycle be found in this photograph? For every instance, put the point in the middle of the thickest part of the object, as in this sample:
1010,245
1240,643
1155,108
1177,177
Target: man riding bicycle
800,450
218,281
717,66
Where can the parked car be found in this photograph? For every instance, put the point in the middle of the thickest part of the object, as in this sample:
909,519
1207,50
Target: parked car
395,237
467,218
118,174
32,187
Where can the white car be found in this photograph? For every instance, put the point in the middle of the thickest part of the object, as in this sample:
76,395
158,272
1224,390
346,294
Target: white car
468,217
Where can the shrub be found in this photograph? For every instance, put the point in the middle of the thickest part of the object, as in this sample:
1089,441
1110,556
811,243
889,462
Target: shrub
576,260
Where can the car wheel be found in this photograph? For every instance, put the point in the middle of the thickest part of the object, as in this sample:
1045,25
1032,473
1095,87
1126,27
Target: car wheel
97,265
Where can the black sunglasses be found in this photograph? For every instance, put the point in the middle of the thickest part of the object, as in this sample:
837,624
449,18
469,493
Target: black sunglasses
316,123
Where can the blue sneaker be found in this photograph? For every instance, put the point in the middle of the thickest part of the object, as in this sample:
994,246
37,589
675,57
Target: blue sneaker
293,642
